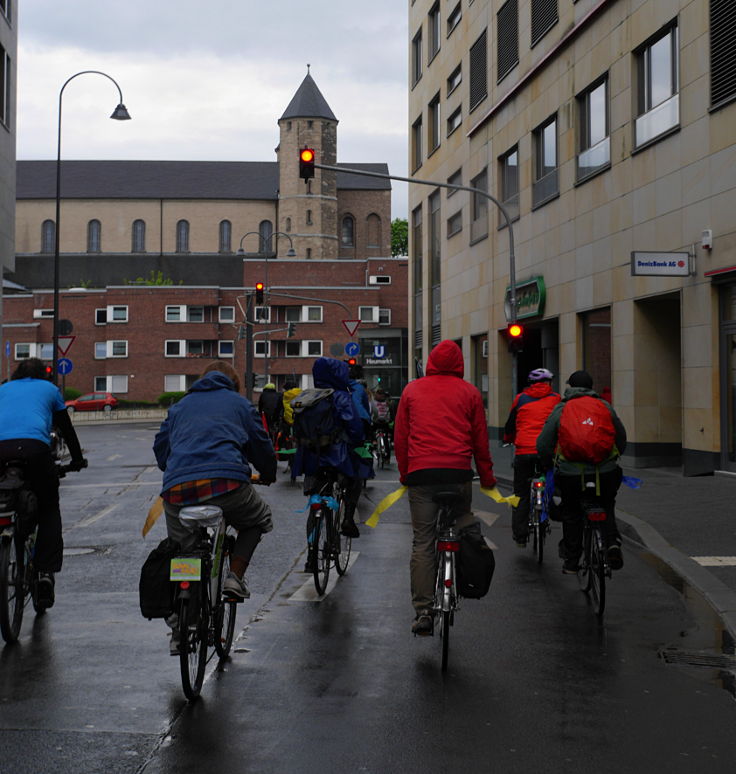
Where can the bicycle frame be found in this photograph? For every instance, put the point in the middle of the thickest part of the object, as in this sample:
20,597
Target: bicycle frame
594,568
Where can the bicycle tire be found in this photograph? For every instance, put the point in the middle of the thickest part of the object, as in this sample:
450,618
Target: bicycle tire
193,641
322,550
224,612
343,543
540,532
12,597
445,637
584,573
598,573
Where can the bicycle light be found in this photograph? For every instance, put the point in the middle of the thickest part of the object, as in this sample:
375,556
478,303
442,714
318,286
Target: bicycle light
448,545
538,484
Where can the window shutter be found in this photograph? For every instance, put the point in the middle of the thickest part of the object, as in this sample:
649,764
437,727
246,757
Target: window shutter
478,71
508,38
722,45
544,16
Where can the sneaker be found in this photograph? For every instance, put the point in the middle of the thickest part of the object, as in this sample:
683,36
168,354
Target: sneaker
570,567
423,625
615,557
235,587
45,590
350,528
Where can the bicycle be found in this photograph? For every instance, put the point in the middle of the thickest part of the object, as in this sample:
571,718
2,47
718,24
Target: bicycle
18,532
594,567
539,523
326,543
204,617
447,545
383,453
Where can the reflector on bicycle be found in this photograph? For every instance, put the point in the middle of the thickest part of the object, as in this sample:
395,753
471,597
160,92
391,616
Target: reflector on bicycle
186,568
5,521
448,545
597,515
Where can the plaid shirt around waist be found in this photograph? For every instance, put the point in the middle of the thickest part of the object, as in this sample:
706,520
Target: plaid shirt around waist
201,490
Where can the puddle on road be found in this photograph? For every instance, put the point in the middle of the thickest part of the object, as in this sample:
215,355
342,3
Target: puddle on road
707,650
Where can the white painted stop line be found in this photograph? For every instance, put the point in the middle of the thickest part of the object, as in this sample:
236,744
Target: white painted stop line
715,561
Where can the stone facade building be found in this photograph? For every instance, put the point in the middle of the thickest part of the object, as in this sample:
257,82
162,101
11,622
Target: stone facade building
606,129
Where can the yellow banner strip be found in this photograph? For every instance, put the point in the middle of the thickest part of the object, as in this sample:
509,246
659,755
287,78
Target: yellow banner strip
153,513
494,494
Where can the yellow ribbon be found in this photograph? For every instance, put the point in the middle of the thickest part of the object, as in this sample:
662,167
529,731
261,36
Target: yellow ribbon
396,495
153,513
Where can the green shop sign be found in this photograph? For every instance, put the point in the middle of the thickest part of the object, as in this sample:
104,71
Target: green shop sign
530,297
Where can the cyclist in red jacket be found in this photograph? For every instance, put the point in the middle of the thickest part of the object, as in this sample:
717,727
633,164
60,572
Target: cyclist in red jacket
529,412
440,427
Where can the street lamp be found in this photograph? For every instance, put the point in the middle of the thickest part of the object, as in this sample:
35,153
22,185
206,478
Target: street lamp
119,114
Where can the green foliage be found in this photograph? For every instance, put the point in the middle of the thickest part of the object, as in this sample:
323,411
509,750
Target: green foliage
399,237
154,278
71,394
166,399
136,404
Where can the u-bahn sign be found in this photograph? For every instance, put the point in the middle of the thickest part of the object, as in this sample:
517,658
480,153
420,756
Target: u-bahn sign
530,298
645,263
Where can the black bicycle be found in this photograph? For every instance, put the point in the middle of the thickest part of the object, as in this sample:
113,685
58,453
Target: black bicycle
383,451
326,543
594,567
539,524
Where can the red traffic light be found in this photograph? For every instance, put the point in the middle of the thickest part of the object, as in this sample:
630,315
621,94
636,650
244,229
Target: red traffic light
306,163
352,361
515,330
515,336
259,292
259,286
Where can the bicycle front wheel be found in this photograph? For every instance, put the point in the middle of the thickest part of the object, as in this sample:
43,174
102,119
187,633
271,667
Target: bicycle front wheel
11,588
224,611
321,551
584,571
598,573
445,624
343,543
193,641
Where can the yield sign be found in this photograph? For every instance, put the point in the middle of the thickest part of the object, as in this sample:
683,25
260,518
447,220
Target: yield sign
64,343
351,326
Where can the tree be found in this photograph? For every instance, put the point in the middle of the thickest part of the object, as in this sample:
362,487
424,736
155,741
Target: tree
399,237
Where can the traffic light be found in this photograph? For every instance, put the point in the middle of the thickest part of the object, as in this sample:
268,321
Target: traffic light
49,372
515,335
352,361
306,163
259,293
290,329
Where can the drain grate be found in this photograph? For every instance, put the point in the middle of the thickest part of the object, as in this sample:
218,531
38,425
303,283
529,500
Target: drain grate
698,658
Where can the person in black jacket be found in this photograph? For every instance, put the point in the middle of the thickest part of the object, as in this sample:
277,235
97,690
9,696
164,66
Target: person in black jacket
271,406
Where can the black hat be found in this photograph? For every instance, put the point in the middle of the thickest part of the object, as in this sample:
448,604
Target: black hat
581,379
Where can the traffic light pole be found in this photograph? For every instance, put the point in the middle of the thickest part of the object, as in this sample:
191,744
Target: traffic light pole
249,375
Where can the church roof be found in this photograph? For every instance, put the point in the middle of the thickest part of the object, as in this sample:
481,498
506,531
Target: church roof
308,102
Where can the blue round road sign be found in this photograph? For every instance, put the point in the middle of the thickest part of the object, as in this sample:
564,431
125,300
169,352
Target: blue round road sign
64,365
352,348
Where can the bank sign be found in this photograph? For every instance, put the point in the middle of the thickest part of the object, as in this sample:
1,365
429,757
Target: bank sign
645,263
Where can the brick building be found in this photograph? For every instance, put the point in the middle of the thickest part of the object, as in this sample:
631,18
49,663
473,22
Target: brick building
210,230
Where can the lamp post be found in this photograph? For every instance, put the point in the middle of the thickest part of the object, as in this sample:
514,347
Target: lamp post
291,253
119,114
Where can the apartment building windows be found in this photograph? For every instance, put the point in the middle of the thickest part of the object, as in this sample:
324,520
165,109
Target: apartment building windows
544,17
435,265
455,224
509,184
417,283
182,236
454,79
5,96
453,18
456,178
416,58
657,87
111,383
48,236
225,236
455,120
416,144
139,236
594,142
105,349
507,42
434,113
433,35
111,314
479,219
546,183
722,46
94,236
478,71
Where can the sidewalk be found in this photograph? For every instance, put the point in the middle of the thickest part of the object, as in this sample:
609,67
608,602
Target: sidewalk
678,519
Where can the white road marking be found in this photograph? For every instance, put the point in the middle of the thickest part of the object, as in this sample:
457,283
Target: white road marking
487,517
96,517
715,561
113,457
307,592
111,483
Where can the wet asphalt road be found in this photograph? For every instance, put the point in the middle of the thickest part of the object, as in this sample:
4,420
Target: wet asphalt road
340,685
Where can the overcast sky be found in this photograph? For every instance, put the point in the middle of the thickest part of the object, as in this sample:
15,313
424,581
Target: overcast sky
208,80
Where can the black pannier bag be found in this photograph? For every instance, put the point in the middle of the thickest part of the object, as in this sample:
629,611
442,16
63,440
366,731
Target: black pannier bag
475,564
155,589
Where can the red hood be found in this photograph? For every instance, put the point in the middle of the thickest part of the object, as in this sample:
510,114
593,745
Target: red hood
446,358
539,389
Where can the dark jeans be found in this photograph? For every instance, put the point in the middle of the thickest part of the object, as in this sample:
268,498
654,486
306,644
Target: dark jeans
525,466
572,492
42,479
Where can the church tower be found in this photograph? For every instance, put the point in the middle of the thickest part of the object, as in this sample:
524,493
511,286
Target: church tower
308,210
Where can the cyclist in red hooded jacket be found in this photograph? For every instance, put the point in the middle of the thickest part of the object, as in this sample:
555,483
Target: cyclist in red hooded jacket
440,427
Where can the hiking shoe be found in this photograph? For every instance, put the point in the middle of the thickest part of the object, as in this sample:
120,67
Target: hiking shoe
570,567
423,625
615,557
235,587
350,528
45,590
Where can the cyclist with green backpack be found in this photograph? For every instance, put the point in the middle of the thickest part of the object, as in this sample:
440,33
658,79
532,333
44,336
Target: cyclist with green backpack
584,438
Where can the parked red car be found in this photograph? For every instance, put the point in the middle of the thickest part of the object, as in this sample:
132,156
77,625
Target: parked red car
93,401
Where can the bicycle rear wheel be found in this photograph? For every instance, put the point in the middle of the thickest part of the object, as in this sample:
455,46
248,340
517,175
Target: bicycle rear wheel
224,611
585,577
193,641
11,587
598,573
343,543
321,550
540,532
445,624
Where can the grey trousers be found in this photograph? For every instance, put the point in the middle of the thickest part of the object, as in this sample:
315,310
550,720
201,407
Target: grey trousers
423,519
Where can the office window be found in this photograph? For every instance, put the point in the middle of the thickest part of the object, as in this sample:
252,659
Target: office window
594,143
722,47
416,58
434,31
478,71
139,236
454,79
416,244
454,121
507,45
456,178
546,182
5,96
94,236
226,236
455,224
48,236
657,87
416,144
182,236
435,265
434,113
509,183
479,211
226,314
348,231
544,17
453,18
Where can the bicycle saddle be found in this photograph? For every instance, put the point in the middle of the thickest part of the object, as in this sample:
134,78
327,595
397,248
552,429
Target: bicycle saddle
447,498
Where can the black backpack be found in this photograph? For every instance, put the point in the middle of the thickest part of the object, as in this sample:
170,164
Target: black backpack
475,564
315,424
155,589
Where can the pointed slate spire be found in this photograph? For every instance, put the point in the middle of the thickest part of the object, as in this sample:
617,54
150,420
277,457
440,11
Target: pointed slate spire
308,102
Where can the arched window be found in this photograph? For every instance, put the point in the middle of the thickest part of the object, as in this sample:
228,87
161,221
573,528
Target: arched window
226,236
348,231
94,236
182,236
373,229
48,236
139,236
265,230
